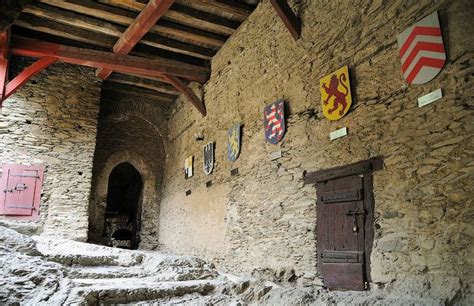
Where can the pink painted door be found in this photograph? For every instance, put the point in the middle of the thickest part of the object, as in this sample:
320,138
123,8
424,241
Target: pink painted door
21,188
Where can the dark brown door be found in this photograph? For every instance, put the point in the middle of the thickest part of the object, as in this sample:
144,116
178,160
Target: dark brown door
341,232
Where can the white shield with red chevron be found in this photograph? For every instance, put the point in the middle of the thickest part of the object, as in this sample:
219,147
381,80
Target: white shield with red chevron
274,121
422,50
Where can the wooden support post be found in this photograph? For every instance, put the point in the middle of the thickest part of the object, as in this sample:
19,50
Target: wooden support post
187,92
4,43
139,27
27,74
100,59
291,21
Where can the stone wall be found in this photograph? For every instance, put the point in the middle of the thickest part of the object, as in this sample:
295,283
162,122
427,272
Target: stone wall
130,130
52,120
263,221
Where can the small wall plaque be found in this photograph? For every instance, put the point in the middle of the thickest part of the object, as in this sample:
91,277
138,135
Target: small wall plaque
430,98
338,133
234,172
275,155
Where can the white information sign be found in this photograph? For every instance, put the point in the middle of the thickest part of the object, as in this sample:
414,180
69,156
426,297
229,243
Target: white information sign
338,133
430,98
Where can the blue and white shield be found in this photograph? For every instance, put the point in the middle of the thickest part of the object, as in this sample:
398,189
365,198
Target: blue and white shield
274,121
208,162
233,142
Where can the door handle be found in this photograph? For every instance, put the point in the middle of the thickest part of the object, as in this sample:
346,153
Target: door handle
355,213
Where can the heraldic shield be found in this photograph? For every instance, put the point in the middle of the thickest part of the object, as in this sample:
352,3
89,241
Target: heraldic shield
336,94
422,50
208,163
274,121
233,142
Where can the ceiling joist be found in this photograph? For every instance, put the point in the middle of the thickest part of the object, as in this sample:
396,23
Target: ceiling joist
99,59
159,45
153,11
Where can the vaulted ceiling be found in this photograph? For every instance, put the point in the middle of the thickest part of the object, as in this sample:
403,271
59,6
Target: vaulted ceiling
180,35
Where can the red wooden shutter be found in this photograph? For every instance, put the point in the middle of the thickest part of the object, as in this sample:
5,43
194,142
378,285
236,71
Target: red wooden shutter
21,191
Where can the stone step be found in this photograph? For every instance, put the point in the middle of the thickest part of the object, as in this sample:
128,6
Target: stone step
132,290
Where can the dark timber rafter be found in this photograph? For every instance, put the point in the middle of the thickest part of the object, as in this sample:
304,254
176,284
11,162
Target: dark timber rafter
291,21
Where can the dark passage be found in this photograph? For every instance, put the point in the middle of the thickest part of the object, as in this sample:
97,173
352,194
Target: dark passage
123,210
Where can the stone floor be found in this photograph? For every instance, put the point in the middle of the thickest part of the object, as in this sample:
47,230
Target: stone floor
41,271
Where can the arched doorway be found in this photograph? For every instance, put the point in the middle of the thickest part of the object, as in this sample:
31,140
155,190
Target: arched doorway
123,209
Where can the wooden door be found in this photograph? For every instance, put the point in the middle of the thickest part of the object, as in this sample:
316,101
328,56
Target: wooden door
341,232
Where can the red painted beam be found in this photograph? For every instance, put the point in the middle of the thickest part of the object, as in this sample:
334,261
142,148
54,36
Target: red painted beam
27,74
4,43
291,21
187,92
148,17
99,59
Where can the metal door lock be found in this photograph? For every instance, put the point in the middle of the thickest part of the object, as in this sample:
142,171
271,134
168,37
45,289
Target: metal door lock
20,187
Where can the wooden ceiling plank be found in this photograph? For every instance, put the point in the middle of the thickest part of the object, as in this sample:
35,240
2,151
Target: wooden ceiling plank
107,28
100,59
149,83
231,7
174,29
150,14
109,86
186,16
9,12
188,93
291,21
93,39
62,30
202,20
123,17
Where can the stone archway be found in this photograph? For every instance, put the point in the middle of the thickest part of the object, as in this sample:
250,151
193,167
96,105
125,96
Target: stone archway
149,208
122,220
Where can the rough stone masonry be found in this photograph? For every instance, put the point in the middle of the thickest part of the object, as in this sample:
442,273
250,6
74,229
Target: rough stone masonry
262,222
52,120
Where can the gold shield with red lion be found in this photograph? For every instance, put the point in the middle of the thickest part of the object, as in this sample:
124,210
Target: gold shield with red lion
336,94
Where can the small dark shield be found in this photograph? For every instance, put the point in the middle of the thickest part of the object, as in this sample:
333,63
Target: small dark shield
233,142
208,163
274,121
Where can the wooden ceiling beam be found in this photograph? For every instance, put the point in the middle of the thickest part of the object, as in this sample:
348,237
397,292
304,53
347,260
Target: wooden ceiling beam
188,93
291,21
99,59
148,83
124,17
104,27
4,45
150,14
26,75
95,41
